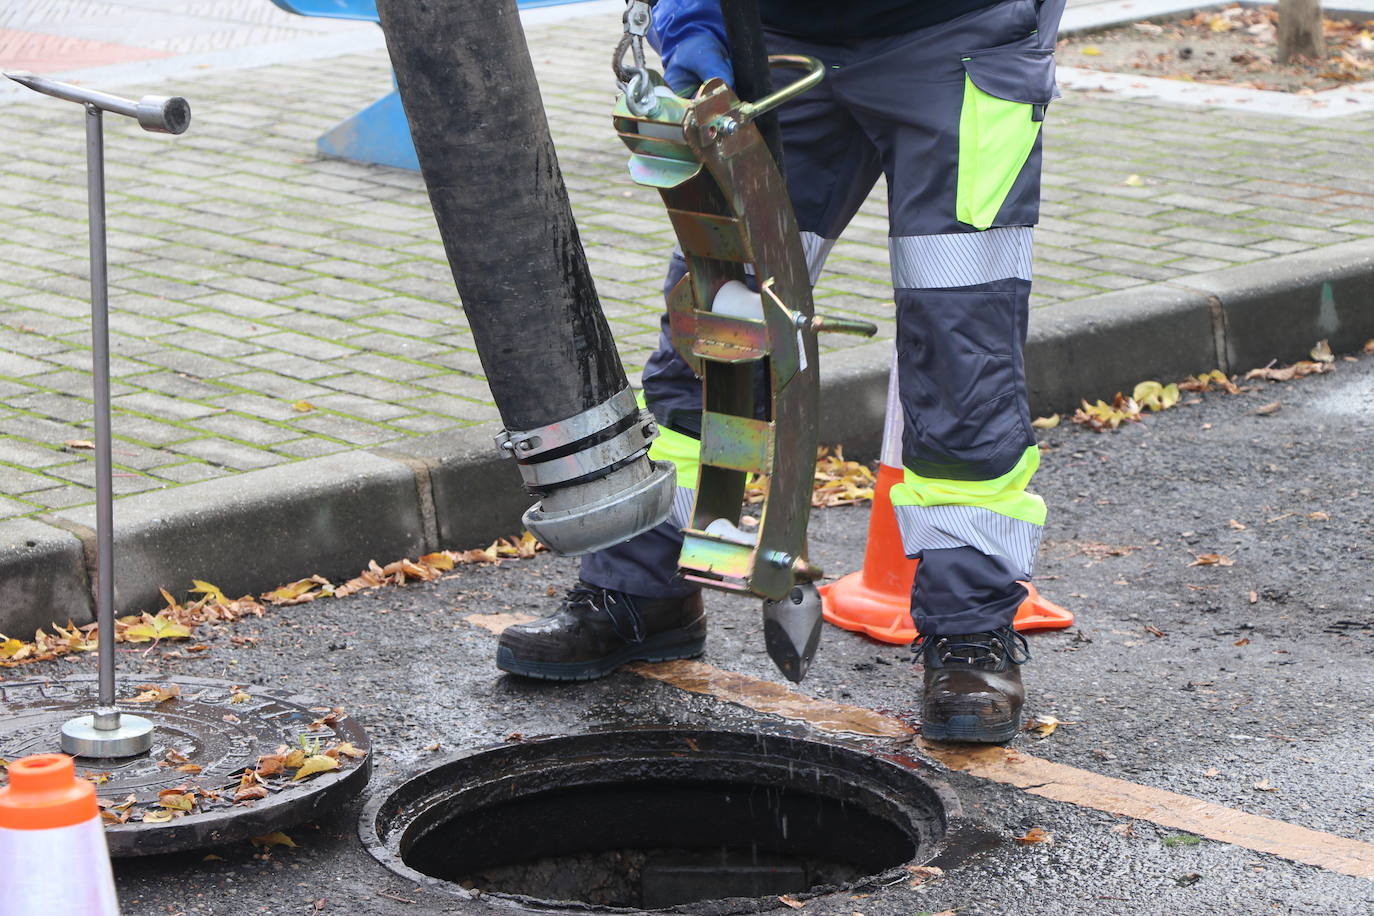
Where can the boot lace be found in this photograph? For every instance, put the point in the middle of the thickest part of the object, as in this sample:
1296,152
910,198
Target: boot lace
626,619
985,650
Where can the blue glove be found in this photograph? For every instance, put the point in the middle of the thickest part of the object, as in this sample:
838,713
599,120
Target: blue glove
690,37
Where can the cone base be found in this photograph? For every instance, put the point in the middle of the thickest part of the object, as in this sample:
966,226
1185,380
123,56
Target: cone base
850,603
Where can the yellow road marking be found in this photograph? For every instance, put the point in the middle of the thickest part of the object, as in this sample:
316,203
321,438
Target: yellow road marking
766,696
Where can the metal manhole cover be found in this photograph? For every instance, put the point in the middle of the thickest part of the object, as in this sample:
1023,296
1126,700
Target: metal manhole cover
210,731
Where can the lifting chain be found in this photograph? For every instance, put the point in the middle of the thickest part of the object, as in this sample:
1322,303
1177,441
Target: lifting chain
634,79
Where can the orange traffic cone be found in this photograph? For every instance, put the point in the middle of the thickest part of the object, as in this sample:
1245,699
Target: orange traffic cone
876,600
53,857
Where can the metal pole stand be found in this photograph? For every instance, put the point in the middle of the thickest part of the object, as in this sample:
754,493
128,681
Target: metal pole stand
208,739
106,732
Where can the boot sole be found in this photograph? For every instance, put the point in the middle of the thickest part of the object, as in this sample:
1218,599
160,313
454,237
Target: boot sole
970,729
663,647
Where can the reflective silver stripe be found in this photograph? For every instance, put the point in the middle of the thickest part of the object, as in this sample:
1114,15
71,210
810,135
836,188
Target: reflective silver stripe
683,498
937,527
960,258
892,423
817,249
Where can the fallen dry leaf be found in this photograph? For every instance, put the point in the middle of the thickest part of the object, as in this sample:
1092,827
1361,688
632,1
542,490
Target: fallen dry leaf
152,693
1236,525
79,443
1263,786
1049,422
1212,559
276,838
791,901
1042,726
1322,352
1035,835
1271,408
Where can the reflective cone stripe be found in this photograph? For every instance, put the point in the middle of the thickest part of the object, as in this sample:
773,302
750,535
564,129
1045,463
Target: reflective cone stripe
53,857
876,600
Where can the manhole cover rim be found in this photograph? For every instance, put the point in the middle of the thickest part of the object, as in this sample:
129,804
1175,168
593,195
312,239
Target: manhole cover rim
387,852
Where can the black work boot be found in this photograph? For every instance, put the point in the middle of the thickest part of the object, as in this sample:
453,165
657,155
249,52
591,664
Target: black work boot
597,630
973,686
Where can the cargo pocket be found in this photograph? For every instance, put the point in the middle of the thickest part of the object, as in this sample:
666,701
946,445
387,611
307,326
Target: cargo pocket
1005,94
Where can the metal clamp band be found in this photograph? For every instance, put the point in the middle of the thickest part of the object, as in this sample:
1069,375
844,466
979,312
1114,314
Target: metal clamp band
599,457
526,444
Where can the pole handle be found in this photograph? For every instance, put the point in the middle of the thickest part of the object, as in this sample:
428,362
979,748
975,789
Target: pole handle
157,113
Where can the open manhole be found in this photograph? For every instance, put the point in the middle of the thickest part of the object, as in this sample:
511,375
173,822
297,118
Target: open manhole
652,819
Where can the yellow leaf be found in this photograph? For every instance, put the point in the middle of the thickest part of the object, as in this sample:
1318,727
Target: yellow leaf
441,561
1134,181
268,840
158,816
1049,422
155,628
1169,396
209,591
303,406
1090,50
10,647
319,763
295,759
1042,726
238,696
300,591
1322,352
1221,24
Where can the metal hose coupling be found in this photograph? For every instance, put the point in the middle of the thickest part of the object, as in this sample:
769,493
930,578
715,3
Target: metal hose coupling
593,474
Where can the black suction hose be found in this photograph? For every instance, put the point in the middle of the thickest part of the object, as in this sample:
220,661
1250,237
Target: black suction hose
466,80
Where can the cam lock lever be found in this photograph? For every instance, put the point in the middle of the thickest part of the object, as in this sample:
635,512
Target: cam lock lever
743,319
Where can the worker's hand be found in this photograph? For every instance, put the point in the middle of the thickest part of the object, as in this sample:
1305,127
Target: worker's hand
698,58
690,37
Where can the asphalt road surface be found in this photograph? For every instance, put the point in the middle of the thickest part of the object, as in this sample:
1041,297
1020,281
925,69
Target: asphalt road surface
1247,683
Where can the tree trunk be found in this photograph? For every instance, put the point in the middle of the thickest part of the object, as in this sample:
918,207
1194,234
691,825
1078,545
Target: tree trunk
1300,30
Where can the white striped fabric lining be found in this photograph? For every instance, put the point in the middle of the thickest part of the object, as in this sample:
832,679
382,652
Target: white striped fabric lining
815,247
938,527
960,258
683,498
892,421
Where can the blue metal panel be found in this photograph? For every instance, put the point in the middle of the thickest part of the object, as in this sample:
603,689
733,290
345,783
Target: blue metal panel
379,134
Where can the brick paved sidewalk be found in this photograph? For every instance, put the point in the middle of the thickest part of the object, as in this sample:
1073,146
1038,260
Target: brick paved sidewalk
270,305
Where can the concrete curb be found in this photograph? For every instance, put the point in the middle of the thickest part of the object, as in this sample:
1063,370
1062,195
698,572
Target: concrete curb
332,515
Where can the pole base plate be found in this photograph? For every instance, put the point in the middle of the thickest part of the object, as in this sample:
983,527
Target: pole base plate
80,737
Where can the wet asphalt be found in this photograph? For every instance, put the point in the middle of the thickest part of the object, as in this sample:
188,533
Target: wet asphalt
1202,680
